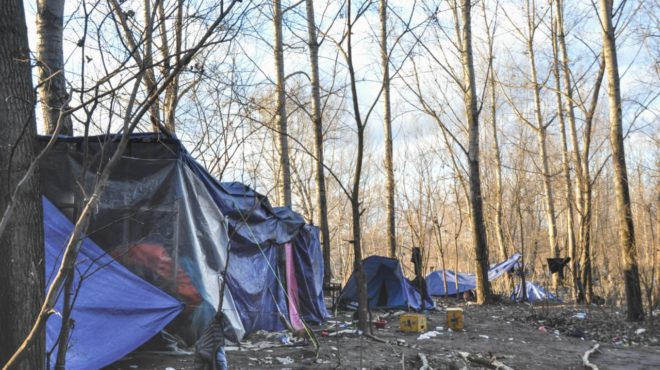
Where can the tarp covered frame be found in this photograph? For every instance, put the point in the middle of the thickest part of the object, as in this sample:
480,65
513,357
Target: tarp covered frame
156,216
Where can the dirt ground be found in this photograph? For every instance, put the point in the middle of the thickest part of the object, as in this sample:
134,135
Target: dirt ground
518,335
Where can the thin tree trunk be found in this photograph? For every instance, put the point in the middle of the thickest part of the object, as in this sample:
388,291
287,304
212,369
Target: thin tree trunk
317,118
580,174
21,243
568,186
543,153
472,117
387,123
284,176
50,57
623,203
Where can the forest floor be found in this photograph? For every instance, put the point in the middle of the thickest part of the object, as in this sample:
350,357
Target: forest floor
520,336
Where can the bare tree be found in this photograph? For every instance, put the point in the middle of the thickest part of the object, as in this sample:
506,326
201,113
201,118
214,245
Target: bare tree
22,243
623,203
317,119
387,124
284,175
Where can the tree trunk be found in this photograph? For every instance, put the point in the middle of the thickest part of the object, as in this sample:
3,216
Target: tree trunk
317,118
52,91
22,244
568,186
543,157
580,175
284,176
387,123
472,117
623,204
355,193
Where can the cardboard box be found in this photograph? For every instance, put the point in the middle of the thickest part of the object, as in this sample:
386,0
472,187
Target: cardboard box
455,318
412,322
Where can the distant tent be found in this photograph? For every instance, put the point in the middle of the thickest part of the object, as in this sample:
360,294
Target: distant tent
114,312
387,287
166,219
535,293
434,280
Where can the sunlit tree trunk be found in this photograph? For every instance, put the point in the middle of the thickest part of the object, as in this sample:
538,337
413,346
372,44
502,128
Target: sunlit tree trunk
541,131
284,176
568,185
623,203
21,243
387,123
472,117
317,118
50,62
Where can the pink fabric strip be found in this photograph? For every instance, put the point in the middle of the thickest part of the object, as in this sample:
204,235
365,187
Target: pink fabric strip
292,289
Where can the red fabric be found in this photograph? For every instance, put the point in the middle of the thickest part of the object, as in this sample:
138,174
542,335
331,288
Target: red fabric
155,259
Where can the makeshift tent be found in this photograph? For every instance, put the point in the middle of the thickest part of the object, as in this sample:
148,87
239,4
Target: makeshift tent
435,285
114,311
387,287
170,222
535,293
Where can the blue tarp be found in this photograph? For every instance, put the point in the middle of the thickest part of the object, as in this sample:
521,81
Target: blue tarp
535,293
160,196
434,280
309,274
387,287
114,310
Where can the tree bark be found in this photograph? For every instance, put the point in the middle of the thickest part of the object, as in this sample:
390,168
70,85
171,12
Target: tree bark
284,176
355,192
387,123
317,118
21,244
623,203
50,60
568,185
472,117
543,153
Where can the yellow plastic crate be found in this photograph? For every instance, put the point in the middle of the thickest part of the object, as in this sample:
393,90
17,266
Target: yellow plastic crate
455,318
412,322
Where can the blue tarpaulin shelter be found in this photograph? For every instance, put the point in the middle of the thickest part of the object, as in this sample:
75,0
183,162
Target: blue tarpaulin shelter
176,226
387,287
435,285
535,293
114,310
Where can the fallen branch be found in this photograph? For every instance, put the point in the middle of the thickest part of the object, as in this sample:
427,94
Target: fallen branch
491,363
371,336
425,362
585,357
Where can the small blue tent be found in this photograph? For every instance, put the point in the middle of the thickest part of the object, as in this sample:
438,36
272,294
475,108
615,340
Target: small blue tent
535,293
435,285
387,287
114,311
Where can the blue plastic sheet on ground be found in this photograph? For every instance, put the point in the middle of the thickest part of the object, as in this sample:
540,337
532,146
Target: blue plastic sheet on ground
114,311
535,293
387,287
435,285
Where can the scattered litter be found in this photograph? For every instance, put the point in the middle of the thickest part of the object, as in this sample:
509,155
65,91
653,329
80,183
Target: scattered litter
428,335
133,366
542,329
439,328
283,360
334,348
401,342
169,368
285,339
640,331
556,332
483,336
580,315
